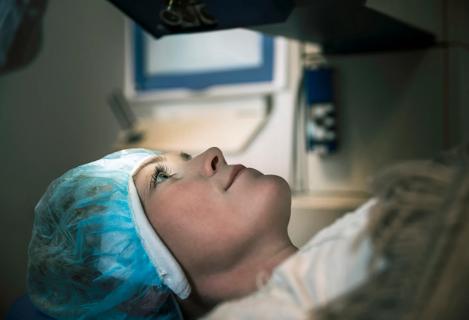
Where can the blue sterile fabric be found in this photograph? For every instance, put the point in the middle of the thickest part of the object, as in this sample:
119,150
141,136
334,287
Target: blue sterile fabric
86,260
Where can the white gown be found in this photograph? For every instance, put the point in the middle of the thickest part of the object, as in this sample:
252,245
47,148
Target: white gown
332,263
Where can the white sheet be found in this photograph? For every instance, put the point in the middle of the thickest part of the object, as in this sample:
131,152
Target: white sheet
331,264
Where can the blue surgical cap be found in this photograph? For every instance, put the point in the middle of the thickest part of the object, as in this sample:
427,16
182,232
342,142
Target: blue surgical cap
94,254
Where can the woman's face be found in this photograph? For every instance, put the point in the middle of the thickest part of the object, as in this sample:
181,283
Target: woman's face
210,213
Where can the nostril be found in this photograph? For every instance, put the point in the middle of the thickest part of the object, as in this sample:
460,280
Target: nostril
214,163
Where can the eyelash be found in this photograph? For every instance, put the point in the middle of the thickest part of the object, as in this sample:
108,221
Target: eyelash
160,169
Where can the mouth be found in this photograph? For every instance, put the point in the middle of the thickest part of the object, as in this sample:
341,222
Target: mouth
234,174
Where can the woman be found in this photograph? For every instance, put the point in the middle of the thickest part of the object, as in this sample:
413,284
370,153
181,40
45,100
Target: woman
139,234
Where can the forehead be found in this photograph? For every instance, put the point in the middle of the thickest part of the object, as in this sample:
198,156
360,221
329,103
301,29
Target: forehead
167,158
171,156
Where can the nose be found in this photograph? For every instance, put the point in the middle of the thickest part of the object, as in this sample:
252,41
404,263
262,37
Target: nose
213,159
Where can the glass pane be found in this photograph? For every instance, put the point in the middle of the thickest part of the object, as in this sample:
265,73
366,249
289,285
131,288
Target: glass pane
203,52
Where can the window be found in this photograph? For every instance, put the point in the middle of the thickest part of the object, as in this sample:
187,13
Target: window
226,61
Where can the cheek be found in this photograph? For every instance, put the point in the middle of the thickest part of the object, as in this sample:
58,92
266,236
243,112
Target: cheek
268,201
185,216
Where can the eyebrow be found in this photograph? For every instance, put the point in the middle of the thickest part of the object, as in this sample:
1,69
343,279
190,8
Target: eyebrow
158,159
185,156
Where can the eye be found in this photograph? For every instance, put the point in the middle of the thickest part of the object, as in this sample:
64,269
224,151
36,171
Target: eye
160,174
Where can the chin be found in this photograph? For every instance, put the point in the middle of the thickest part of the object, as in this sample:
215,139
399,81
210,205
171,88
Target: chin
281,185
277,193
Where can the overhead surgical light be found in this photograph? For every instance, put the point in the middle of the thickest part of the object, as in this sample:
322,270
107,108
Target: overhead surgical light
163,17
339,26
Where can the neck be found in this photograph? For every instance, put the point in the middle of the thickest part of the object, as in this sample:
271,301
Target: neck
240,280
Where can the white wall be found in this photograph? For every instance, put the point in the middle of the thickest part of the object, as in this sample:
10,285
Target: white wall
390,108
458,86
459,91
449,21
271,150
53,116
393,106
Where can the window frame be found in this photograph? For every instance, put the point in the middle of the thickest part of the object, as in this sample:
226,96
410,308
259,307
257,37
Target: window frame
270,76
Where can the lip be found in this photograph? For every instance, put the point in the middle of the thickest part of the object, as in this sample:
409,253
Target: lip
234,174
